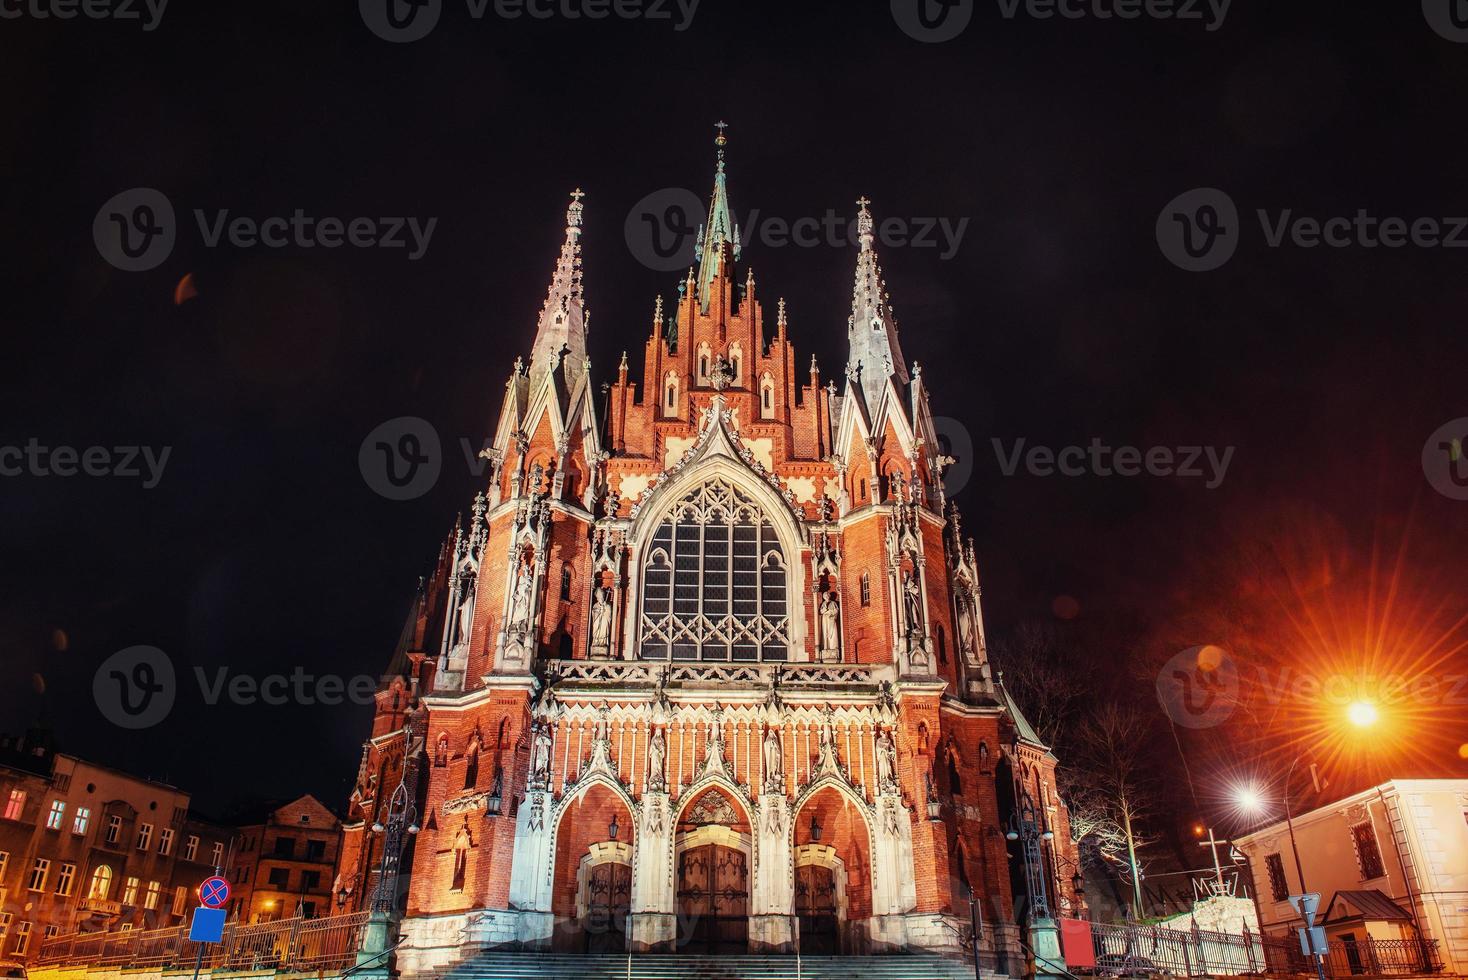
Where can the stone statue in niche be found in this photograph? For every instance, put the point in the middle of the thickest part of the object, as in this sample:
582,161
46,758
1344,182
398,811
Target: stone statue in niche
466,613
886,761
912,597
657,752
520,608
966,623
601,619
774,764
830,623
540,762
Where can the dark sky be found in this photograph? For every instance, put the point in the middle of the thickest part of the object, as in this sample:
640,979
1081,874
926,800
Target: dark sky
1057,321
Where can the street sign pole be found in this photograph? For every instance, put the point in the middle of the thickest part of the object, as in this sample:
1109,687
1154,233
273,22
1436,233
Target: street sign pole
1311,938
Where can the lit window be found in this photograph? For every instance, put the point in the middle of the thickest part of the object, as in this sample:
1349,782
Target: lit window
57,816
114,829
191,848
130,891
150,898
81,820
180,900
15,805
714,581
101,885
39,872
4,865
145,836
217,858
165,841
66,879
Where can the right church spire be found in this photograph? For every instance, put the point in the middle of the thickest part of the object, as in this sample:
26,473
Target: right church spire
874,352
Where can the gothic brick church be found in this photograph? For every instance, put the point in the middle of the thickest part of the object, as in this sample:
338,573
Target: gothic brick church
705,670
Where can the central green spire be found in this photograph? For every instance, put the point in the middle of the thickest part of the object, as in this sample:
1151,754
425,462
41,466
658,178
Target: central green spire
720,229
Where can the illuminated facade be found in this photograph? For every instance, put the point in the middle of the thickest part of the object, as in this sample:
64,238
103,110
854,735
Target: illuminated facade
707,673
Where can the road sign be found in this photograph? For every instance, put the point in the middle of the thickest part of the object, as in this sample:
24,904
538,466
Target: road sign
214,893
1306,906
208,926
1312,942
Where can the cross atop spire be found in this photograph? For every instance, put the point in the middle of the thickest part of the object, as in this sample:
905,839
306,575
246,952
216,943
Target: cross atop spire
718,239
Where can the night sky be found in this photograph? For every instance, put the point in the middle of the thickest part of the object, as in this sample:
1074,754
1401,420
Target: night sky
1058,320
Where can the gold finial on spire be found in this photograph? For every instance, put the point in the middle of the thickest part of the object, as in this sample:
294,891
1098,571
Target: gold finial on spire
722,138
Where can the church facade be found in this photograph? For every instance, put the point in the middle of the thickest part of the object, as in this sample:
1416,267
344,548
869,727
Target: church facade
705,669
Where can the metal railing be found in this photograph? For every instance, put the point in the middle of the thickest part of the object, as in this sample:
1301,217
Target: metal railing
1200,953
291,945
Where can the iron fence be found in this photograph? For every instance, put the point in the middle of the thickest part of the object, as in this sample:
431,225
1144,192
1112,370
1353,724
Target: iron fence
290,945
1128,949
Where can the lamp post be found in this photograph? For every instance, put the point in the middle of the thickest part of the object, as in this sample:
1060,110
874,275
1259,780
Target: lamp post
1024,826
401,825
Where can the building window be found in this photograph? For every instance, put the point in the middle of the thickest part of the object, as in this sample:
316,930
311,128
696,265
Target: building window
191,848
1368,852
81,821
310,881
52,932
4,866
57,816
1278,887
66,880
15,805
714,581
150,898
101,885
22,939
315,850
165,841
566,583
39,872
130,891
145,836
866,588
180,900
671,387
285,847
280,878
217,855
114,829
5,920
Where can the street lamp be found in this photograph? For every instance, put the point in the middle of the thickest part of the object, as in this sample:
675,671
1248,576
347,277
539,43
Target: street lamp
1362,714
614,829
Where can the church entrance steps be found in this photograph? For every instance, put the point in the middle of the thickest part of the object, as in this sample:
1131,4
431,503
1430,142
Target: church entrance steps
652,966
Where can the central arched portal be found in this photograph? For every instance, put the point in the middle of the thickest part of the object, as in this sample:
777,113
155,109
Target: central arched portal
713,876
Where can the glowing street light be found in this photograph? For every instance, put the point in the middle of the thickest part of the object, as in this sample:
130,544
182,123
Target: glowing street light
1249,800
1362,714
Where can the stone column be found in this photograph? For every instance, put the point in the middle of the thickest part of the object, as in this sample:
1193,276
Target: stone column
894,889
772,895
654,920
534,866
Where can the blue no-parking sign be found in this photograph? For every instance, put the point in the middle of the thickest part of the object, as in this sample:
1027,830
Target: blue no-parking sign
214,893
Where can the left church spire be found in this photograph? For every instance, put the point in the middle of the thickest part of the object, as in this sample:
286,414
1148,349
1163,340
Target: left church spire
560,339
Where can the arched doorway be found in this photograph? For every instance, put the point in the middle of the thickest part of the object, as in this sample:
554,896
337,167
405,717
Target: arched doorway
833,871
713,876
591,894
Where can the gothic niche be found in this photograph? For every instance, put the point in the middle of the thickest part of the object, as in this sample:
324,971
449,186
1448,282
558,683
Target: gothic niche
601,619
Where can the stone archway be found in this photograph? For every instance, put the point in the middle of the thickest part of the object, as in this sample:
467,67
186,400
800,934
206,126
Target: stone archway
590,894
712,875
833,873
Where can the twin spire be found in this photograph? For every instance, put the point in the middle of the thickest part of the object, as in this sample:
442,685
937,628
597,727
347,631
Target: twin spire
874,357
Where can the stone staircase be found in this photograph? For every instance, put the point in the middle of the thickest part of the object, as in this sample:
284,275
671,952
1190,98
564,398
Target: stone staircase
670,966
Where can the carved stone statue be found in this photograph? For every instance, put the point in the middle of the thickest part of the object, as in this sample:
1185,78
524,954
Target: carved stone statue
912,597
601,619
774,764
886,761
657,752
830,623
827,759
540,761
520,610
966,624
466,614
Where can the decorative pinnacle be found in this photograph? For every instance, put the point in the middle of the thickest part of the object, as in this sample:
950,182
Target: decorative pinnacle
657,312
780,316
721,141
864,223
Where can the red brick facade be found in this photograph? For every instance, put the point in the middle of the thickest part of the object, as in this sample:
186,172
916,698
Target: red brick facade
737,603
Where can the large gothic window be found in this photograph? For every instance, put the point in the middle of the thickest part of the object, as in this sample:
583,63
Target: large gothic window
714,581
